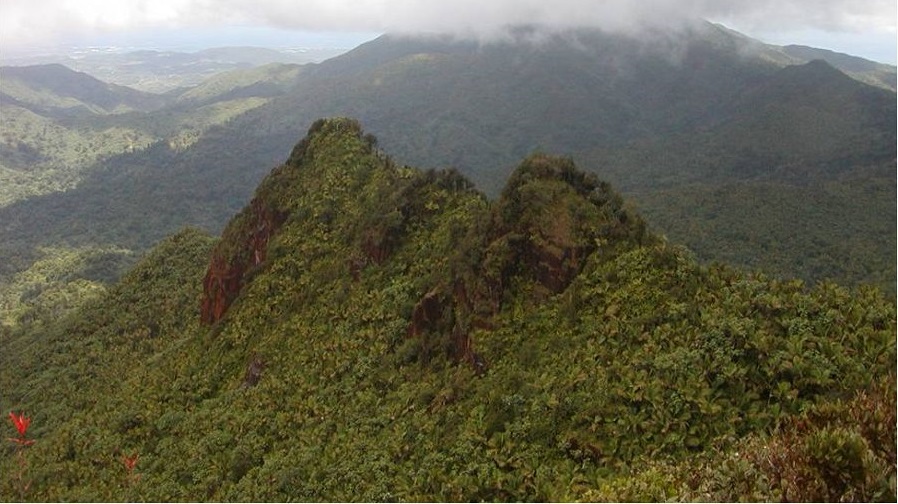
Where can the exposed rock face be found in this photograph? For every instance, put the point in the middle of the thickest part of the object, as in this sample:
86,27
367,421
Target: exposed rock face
553,255
228,267
426,314
549,221
220,287
438,317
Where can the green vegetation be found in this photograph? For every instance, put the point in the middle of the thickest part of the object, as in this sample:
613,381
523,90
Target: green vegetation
61,280
58,126
761,226
41,155
840,451
792,184
705,125
272,79
60,129
376,332
875,74
59,90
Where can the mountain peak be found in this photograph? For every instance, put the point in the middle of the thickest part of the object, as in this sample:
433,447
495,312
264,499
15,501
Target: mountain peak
245,241
536,238
320,132
554,217
819,67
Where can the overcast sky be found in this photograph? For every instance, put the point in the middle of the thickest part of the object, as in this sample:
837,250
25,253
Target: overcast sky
862,27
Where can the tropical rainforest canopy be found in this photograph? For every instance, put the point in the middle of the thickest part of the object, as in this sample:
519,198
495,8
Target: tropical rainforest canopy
366,331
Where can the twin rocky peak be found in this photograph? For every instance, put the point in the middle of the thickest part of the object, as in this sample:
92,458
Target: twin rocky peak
534,239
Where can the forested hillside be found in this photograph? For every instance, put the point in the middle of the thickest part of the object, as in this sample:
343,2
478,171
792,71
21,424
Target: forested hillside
364,331
45,146
62,132
743,152
797,180
58,125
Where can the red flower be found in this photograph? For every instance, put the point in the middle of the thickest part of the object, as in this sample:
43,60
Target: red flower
21,422
131,461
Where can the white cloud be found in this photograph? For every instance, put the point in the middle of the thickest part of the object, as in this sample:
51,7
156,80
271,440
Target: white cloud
43,21
473,15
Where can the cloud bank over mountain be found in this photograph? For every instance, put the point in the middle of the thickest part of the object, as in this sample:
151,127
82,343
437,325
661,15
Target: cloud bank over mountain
40,21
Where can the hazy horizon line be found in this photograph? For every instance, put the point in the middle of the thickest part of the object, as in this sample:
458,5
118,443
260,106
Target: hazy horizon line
263,37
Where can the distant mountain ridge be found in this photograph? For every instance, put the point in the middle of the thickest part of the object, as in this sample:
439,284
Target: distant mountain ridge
162,71
870,72
56,89
703,130
269,80
615,90
57,123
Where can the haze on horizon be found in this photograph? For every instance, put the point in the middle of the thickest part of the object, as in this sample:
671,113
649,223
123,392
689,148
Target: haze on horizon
865,28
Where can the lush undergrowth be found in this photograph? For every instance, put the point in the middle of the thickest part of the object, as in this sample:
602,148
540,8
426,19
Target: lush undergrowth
375,332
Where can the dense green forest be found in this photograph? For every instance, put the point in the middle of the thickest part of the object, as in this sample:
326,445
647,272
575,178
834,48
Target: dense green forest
62,131
363,331
746,153
59,126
